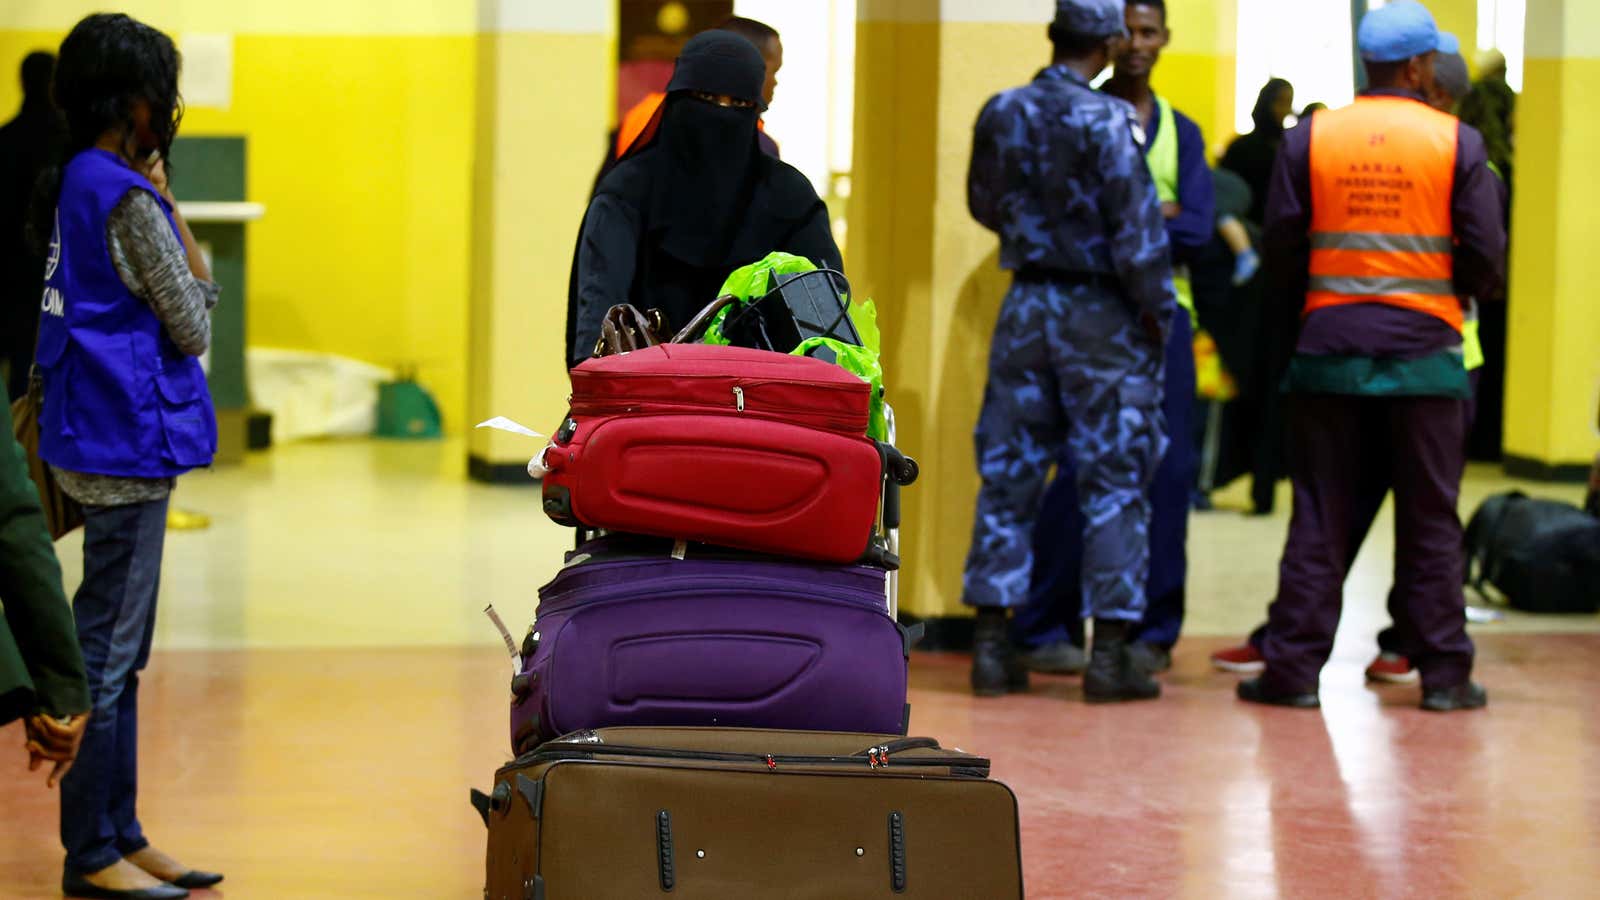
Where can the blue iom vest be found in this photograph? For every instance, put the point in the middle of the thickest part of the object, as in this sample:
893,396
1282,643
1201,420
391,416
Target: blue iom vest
120,397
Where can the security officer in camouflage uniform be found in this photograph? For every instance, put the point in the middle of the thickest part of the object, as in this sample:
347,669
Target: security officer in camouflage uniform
1077,358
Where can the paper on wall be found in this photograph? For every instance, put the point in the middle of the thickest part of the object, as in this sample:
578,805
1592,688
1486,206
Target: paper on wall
207,74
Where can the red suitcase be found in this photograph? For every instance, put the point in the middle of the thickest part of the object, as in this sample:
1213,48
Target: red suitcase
741,448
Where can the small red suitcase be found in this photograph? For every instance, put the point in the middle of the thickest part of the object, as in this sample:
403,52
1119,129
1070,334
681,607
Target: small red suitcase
741,448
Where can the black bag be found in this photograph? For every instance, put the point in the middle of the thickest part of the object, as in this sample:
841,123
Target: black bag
1544,556
797,307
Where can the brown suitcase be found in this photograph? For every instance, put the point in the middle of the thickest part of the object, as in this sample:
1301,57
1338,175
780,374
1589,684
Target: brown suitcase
722,813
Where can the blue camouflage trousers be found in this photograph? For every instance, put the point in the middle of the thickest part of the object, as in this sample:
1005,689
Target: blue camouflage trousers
1070,366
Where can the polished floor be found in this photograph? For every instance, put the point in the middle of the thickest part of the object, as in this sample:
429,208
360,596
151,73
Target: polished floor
326,689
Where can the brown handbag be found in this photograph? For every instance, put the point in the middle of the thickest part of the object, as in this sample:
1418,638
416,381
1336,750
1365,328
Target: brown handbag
624,330
697,326
62,514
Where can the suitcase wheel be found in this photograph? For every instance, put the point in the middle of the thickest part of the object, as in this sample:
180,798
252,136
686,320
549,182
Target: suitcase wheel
906,471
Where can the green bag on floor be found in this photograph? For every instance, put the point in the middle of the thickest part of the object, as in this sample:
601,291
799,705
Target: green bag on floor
406,410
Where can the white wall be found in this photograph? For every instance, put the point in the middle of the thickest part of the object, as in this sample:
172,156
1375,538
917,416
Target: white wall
813,113
1306,41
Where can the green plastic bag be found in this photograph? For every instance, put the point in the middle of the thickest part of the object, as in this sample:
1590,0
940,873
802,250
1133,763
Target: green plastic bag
407,411
865,362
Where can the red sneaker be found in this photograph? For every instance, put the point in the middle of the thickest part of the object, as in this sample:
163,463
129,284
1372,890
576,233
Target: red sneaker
1243,659
1392,668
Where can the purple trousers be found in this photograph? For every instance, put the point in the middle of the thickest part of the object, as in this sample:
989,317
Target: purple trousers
1346,451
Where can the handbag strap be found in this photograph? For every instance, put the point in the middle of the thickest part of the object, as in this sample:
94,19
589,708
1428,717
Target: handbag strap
702,320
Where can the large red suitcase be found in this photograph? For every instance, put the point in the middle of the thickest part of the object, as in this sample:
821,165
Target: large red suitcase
741,448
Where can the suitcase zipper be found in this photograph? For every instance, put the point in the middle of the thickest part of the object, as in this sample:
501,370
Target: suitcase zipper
850,426
878,758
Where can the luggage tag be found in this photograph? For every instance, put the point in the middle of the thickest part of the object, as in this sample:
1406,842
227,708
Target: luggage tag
505,635
536,467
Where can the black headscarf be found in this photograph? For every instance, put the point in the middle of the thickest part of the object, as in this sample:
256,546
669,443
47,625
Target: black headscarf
1252,155
1267,122
706,156
706,198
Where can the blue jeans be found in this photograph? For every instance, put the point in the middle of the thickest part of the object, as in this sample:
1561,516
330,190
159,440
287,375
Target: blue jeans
116,613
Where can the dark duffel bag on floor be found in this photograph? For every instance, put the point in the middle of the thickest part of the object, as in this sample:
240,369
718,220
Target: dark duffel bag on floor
1543,555
722,813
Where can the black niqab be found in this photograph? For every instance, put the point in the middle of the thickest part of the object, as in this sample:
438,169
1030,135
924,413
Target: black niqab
706,155
705,162
706,199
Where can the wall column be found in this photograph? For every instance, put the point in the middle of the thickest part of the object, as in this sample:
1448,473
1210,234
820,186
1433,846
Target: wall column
924,69
1198,70
1552,360
546,83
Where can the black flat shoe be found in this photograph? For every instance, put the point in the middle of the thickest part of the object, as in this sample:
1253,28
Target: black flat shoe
1253,691
74,885
1454,699
198,881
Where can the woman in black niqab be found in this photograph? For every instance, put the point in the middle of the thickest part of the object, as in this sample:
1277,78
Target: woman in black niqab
669,223
1251,156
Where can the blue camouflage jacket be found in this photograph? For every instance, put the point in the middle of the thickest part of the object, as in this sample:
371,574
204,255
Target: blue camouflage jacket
1058,174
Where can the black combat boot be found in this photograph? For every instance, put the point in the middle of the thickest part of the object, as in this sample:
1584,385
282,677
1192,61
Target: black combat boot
1112,676
996,669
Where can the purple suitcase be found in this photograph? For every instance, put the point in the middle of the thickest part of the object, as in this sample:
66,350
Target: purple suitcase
628,635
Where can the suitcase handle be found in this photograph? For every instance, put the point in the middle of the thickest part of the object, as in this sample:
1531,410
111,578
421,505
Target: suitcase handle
899,470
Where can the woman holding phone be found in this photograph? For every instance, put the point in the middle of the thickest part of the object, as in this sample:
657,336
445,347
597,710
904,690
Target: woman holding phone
126,410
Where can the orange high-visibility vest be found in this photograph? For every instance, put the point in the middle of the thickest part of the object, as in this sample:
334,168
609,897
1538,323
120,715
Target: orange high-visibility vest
1382,172
636,121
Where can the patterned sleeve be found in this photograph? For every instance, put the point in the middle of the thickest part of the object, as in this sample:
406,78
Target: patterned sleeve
153,265
1132,216
986,182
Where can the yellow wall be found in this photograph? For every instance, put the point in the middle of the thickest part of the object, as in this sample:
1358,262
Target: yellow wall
359,125
1553,357
1197,70
537,158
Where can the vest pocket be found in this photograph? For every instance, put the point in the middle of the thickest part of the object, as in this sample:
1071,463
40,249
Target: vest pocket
187,422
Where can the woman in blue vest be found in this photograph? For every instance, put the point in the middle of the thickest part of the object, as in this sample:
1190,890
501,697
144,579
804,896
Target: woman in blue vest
126,410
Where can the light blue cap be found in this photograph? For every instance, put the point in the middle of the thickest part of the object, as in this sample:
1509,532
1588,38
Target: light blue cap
1397,32
1449,43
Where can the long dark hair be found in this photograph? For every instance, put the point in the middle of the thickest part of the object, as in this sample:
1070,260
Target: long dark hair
107,64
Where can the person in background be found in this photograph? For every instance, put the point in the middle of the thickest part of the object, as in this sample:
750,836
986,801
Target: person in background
638,122
27,145
1049,629
1233,206
1389,212
1490,107
1251,155
1391,666
1311,110
1076,365
41,668
671,221
126,410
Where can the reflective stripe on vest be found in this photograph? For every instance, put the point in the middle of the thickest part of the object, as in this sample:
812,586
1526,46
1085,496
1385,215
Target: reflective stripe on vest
1162,159
1382,172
